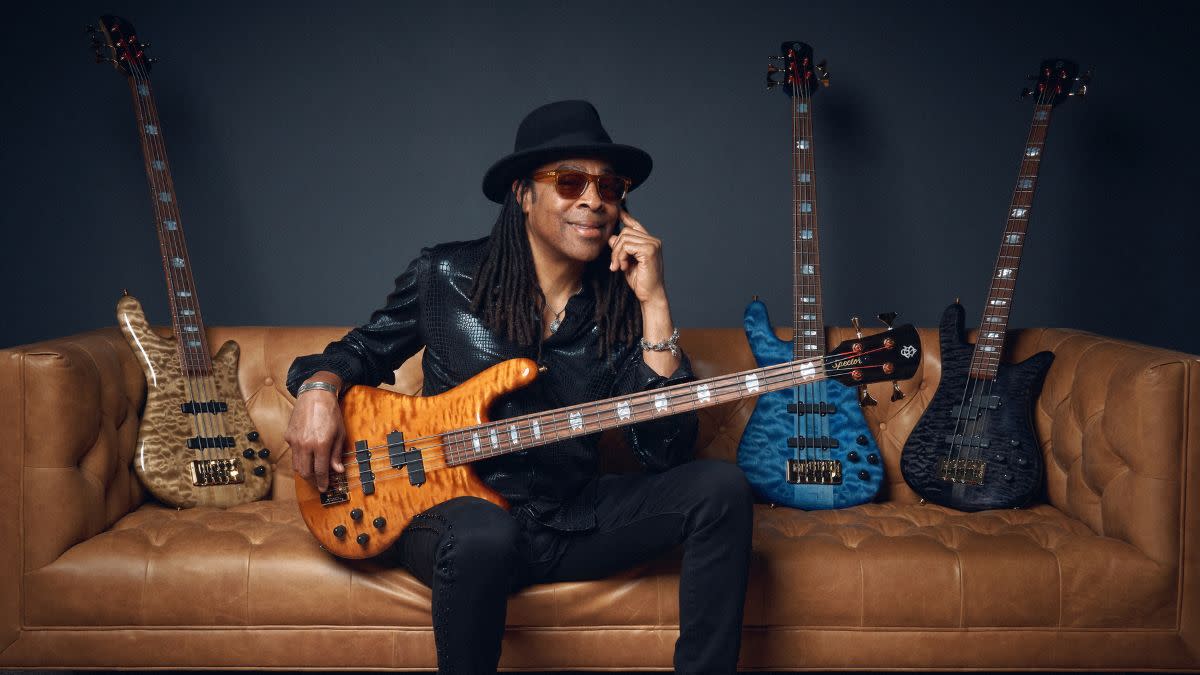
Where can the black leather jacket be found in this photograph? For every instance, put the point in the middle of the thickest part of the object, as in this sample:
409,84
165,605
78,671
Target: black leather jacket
553,484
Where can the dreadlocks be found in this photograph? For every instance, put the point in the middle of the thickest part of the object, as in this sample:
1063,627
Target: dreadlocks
508,298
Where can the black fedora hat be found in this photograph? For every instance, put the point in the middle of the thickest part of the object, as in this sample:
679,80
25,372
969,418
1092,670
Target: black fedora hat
563,129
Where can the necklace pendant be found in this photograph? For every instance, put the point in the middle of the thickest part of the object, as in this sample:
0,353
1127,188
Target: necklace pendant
554,325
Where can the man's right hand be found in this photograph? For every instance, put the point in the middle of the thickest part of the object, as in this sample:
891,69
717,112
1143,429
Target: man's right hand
315,433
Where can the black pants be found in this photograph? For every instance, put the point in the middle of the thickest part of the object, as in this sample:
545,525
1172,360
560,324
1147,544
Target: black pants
473,554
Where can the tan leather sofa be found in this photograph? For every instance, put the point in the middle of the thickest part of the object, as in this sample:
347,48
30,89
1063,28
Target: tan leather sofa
1105,575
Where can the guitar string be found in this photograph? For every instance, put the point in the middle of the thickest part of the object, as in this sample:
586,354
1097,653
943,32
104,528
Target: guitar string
454,455
1040,131
201,376
973,427
960,444
163,186
161,213
459,447
801,423
684,389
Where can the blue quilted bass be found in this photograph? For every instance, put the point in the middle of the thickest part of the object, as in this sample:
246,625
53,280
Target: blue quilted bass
807,446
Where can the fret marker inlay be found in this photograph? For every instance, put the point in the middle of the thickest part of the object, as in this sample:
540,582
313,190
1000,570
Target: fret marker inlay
576,420
494,438
164,197
1019,213
170,224
1012,238
702,393
1032,152
752,383
151,129
513,434
623,410
537,429
1025,183
660,402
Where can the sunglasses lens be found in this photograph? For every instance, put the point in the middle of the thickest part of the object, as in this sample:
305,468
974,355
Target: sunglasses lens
570,184
611,188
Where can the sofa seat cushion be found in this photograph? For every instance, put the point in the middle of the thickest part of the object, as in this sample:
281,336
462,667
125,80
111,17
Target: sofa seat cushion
883,565
257,565
914,565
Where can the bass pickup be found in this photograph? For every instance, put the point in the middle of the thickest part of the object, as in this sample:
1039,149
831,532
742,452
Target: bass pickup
972,410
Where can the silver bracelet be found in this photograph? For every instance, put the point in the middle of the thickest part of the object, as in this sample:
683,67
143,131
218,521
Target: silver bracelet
317,384
671,344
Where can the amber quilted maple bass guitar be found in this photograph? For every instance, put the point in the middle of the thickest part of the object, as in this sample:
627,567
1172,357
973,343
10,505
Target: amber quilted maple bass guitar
405,454
196,444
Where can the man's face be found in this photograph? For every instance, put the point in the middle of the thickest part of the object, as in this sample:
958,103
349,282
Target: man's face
576,229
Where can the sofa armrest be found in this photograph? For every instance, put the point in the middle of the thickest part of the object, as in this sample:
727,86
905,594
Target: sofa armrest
69,416
1113,418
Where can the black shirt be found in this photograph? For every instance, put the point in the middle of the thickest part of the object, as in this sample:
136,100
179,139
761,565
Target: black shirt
430,307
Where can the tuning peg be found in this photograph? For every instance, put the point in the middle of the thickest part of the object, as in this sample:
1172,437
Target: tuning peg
864,396
775,58
772,69
823,74
152,60
1025,93
857,327
90,29
771,84
896,393
887,318
1080,87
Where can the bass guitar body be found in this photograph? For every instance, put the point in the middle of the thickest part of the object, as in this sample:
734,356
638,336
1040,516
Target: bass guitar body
770,445
364,510
196,444
974,448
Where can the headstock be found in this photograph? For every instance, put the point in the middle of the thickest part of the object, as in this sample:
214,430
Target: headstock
1058,79
799,75
894,354
117,43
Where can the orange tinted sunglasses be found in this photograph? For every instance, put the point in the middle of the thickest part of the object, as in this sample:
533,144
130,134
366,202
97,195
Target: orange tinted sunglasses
571,183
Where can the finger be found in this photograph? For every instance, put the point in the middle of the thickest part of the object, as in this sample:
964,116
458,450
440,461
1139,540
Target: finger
300,461
631,222
321,469
335,454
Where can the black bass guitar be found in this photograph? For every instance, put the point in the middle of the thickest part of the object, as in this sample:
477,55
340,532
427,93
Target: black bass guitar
974,448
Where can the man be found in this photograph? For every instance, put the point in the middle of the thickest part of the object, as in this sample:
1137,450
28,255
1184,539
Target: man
571,280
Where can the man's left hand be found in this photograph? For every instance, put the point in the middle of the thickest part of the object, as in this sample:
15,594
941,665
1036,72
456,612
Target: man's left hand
639,256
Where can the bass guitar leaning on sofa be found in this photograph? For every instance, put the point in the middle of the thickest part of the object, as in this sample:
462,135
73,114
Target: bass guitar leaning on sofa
196,444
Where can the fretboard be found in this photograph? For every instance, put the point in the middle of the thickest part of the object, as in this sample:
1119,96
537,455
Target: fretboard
530,431
186,319
808,321
986,358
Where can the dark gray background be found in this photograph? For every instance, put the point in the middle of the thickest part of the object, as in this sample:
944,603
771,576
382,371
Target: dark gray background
317,146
